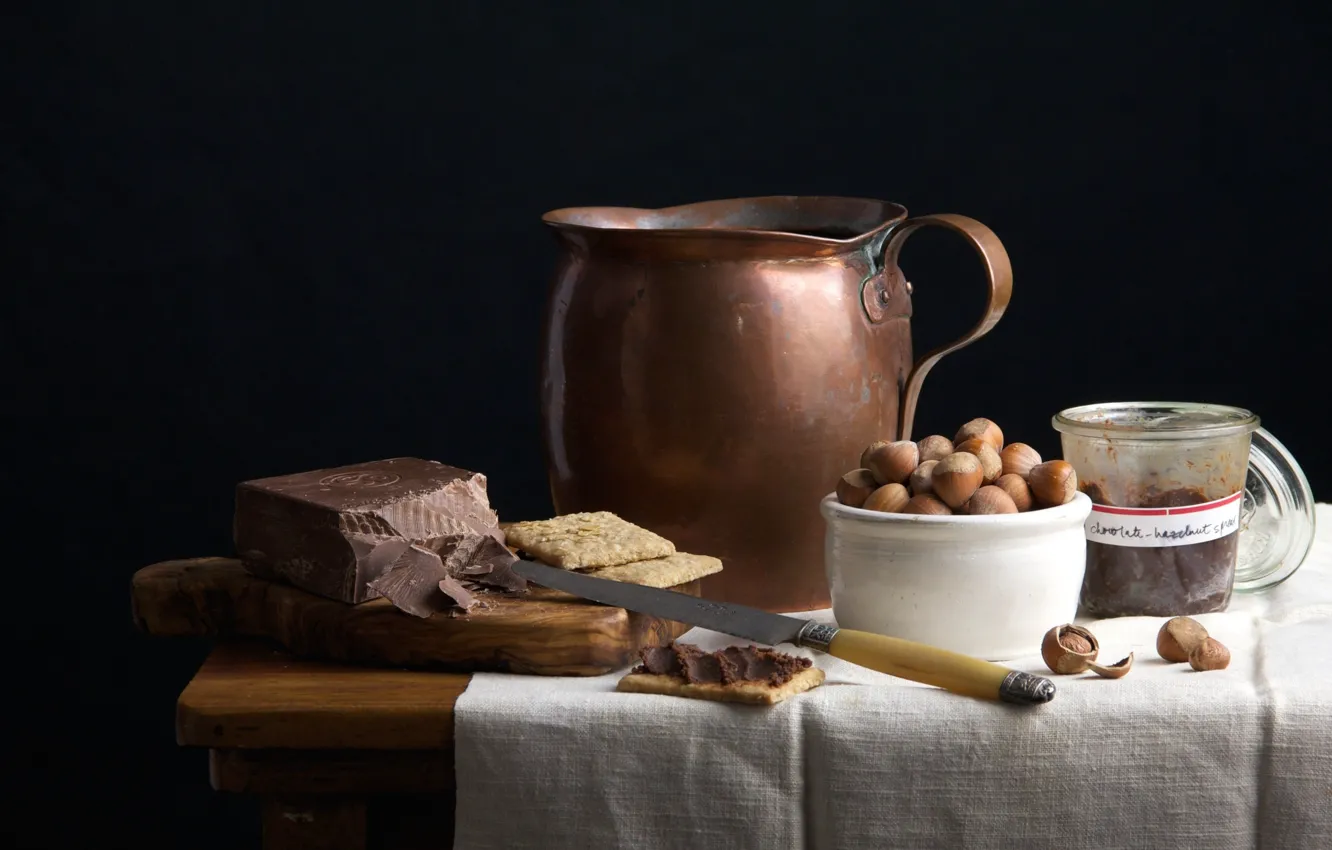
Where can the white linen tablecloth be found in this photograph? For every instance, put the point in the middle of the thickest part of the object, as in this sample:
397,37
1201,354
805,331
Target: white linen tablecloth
1163,758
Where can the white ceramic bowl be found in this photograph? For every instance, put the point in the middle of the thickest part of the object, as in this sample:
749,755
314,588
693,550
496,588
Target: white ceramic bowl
987,586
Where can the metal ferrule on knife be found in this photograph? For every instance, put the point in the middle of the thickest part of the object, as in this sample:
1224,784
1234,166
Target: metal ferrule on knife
816,636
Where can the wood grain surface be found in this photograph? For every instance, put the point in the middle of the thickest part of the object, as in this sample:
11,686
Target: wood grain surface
249,695
544,632
339,756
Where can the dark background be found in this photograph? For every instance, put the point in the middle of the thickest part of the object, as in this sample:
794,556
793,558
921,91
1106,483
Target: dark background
242,239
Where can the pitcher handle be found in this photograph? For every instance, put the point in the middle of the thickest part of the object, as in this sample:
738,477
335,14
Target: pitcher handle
997,268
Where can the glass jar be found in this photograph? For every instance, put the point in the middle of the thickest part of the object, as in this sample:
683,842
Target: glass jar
1190,501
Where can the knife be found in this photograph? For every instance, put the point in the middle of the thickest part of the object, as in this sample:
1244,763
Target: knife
905,659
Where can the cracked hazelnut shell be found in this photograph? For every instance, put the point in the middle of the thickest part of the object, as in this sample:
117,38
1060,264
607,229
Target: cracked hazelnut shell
1118,670
1069,649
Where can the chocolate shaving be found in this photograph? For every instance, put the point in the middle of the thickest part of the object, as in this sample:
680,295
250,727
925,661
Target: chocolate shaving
479,558
461,597
728,666
375,553
415,583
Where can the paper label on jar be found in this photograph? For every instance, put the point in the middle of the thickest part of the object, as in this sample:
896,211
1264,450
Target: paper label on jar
1156,527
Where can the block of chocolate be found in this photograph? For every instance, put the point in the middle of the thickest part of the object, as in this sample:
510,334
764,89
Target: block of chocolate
334,531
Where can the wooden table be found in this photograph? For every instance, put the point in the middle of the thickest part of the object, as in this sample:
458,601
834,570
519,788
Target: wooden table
340,757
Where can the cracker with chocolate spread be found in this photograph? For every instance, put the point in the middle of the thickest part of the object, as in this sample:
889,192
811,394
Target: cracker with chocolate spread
584,540
743,674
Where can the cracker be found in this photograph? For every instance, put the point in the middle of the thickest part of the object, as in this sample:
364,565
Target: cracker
669,571
749,693
577,541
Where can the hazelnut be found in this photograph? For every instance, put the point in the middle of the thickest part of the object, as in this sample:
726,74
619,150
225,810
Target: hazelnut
1018,459
888,499
869,450
934,447
1113,671
1053,482
1017,490
983,429
927,505
893,463
991,465
1211,654
920,479
989,500
956,477
1178,637
1069,648
854,487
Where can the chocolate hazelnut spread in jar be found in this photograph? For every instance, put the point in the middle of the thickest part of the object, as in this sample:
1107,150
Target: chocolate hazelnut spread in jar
1189,502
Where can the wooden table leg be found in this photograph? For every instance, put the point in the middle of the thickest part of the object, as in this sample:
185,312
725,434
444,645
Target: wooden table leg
309,822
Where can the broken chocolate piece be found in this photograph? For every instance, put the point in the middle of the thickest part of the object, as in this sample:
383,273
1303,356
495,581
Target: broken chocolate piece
731,665
414,583
325,531
478,558
376,554
459,594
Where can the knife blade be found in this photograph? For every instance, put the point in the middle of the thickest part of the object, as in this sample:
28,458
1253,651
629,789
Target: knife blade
905,659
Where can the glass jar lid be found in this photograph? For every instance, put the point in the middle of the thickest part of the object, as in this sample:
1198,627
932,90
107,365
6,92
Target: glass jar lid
1277,518
1155,420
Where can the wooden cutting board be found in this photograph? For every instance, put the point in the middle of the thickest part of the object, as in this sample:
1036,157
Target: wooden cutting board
546,632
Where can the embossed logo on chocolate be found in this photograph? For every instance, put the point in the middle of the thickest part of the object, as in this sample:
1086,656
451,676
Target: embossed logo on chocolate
360,479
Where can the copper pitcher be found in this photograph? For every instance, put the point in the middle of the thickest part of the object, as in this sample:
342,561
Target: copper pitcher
712,369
